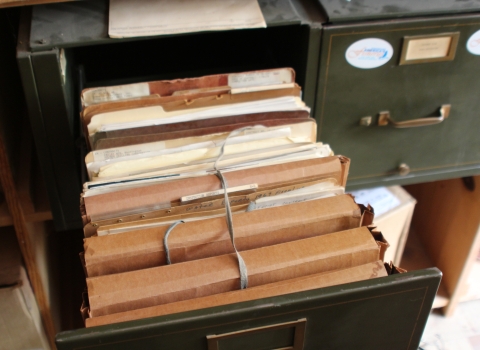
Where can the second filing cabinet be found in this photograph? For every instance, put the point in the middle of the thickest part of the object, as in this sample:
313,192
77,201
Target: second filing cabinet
388,68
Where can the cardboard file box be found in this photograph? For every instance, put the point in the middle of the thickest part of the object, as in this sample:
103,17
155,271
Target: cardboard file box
408,62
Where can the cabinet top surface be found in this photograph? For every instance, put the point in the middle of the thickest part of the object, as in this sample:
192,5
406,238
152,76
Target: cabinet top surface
358,10
86,22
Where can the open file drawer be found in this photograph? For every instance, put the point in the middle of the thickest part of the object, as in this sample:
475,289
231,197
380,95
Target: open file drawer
405,60
383,313
63,48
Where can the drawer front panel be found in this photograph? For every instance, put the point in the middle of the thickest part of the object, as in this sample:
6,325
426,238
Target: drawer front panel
383,313
346,94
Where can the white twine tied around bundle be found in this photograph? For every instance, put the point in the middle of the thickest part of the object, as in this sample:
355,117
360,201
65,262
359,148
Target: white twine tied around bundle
241,263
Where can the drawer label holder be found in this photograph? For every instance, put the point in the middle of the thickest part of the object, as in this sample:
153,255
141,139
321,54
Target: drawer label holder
429,48
287,336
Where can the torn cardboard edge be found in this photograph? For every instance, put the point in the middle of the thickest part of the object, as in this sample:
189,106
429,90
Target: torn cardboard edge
380,239
393,269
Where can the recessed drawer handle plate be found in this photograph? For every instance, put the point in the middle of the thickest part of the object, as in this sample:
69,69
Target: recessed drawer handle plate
298,335
385,119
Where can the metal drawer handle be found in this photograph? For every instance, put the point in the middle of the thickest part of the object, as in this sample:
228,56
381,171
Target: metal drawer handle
385,119
298,326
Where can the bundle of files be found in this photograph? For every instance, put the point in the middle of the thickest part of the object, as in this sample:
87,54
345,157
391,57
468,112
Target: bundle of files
210,191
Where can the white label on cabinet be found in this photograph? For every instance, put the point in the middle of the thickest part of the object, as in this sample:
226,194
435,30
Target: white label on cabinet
369,53
473,44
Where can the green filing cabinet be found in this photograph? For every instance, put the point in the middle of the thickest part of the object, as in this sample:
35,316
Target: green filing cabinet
388,66
63,48
383,313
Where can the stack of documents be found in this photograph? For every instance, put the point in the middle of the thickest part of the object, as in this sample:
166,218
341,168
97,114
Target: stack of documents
218,174
156,148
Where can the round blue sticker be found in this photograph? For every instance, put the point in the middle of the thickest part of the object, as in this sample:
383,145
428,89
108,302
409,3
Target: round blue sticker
369,53
473,43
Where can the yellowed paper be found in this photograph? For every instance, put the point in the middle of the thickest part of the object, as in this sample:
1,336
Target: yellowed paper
114,93
159,17
156,115
144,164
260,78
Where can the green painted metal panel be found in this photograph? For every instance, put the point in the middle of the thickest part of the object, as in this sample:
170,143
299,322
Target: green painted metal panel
362,10
86,22
384,313
346,94
58,120
39,133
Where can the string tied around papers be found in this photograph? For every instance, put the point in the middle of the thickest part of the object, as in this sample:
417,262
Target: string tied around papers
165,240
241,263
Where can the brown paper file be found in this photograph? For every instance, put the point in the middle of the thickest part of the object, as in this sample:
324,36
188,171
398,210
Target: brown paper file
186,86
320,280
133,136
143,248
185,103
165,284
121,202
239,201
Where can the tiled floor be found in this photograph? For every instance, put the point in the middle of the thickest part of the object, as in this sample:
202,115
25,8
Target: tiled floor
458,332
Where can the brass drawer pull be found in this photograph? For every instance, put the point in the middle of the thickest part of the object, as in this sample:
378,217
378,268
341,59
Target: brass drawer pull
403,169
385,119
